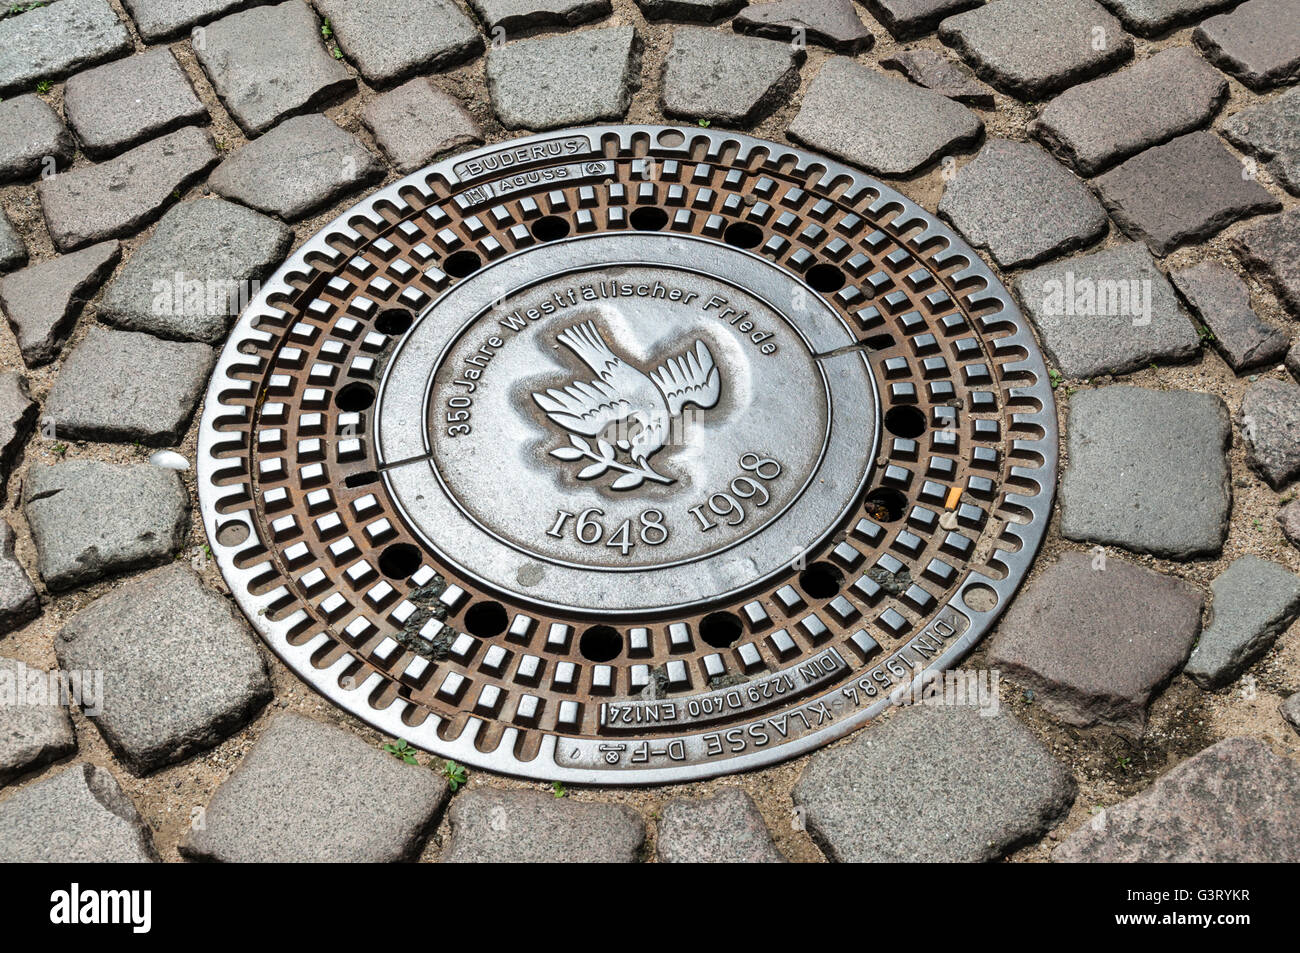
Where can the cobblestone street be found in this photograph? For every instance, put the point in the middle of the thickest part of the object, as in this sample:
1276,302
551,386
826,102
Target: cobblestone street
160,159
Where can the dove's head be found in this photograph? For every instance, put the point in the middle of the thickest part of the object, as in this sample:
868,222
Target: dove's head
647,439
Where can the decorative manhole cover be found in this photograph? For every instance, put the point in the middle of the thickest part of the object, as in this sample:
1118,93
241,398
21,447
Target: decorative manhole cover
627,454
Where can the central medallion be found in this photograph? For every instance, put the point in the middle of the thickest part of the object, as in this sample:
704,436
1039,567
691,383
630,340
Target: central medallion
612,404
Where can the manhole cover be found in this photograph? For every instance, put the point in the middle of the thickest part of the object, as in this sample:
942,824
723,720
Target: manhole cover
627,454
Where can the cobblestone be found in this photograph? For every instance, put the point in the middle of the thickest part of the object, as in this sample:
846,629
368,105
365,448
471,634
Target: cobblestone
32,139
1254,602
727,77
125,102
1088,328
91,519
1099,123
1271,247
935,71
184,672
908,19
390,40
1270,422
1147,471
1271,131
833,24
1235,802
417,122
269,62
555,81
33,733
881,123
1021,205
210,256
52,41
516,16
19,603
112,199
79,815
1222,301
94,399
943,784
42,301
691,11
1153,17
17,418
490,826
336,800
725,828
1096,639
165,19
1180,192
1257,42
1030,49
303,164
13,250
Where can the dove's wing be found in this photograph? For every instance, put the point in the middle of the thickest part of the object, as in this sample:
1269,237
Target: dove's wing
689,379
584,408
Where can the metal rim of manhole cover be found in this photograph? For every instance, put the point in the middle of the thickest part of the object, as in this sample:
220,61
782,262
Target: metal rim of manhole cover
627,454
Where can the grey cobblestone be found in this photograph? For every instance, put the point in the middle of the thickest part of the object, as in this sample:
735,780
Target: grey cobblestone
1153,17
13,250
1289,519
1096,124
52,41
492,826
1029,48
516,16
92,519
19,603
1086,333
125,102
1271,247
164,19
724,828
225,248
94,398
390,40
1097,639
1148,471
337,799
690,11
566,80
879,122
1291,711
1235,802
1180,192
302,165
933,783
1222,301
834,24
908,19
32,734
181,669
1021,205
31,133
42,301
1257,42
935,71
270,62
1254,602
79,815
1270,421
1271,131
17,418
114,198
417,122
726,77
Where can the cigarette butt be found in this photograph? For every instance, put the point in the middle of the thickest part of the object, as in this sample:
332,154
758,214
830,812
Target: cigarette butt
954,495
